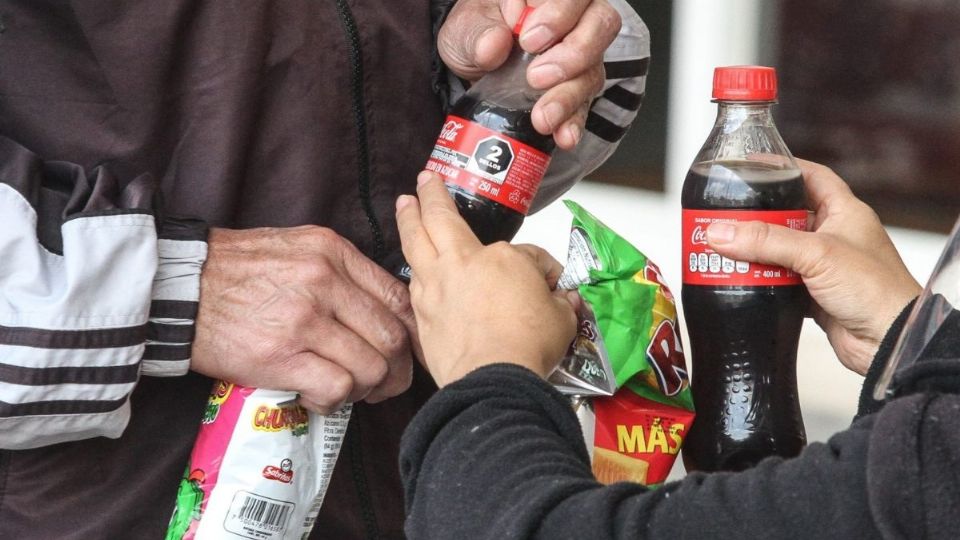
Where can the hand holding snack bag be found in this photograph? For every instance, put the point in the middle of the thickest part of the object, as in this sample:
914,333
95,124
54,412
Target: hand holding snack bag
626,365
259,468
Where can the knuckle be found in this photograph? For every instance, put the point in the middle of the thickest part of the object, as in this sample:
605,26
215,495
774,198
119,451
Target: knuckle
395,339
300,313
608,19
397,298
378,372
318,271
759,234
338,387
501,249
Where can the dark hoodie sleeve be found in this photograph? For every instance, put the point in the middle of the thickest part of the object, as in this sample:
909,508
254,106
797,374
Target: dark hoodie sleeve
96,289
500,455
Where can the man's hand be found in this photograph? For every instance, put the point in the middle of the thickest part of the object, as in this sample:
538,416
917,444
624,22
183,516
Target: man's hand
475,304
570,37
851,268
301,309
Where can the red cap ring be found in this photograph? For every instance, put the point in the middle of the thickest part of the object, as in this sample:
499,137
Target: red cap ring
523,17
745,83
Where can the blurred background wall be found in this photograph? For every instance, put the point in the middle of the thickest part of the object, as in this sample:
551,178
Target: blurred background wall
871,89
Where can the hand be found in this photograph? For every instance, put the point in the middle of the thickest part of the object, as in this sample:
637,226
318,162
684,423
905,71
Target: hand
479,305
851,268
301,309
570,36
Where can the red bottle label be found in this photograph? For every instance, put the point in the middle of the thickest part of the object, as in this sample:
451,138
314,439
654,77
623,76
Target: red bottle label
703,266
488,164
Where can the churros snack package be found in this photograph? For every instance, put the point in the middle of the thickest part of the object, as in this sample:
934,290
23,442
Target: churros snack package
259,468
626,367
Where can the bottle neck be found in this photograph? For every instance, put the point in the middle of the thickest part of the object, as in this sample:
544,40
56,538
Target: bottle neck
507,85
732,115
745,130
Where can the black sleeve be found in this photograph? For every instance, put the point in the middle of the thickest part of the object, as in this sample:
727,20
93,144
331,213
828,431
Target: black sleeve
500,454
869,405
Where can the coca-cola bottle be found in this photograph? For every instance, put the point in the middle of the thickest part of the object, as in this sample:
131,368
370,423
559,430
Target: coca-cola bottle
488,152
743,318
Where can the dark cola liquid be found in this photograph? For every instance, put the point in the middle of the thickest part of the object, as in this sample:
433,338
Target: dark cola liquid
490,220
743,340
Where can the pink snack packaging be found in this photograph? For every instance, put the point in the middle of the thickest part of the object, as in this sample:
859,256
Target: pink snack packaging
259,468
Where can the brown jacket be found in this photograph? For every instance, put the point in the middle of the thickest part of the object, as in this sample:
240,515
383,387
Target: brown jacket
249,113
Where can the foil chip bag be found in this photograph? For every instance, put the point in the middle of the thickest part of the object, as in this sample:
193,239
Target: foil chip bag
259,468
625,368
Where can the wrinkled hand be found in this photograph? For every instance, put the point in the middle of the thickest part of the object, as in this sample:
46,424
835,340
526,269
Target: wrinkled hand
301,309
851,268
571,37
478,305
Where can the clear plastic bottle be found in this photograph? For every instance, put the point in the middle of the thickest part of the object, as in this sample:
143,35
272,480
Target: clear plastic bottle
488,152
743,319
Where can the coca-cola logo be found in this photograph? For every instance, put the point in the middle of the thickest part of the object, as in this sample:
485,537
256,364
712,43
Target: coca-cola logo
450,130
283,473
699,236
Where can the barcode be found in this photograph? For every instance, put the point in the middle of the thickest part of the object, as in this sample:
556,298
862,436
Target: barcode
256,516
263,512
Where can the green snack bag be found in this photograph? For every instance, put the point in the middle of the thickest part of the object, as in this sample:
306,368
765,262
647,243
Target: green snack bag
627,356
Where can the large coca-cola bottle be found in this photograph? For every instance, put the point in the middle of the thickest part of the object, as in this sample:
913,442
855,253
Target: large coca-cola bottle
743,318
488,152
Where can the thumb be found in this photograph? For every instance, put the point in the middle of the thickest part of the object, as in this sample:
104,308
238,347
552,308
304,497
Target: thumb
475,39
763,243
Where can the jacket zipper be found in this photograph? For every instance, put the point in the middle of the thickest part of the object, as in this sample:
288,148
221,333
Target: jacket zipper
363,154
360,121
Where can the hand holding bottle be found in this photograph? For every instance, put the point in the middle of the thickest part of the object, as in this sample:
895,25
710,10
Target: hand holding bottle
572,36
848,263
476,304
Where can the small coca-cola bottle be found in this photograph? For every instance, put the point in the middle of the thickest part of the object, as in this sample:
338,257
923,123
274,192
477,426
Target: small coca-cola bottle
488,152
743,318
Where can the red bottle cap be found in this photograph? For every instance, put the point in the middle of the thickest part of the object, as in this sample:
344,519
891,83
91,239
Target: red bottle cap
745,83
523,17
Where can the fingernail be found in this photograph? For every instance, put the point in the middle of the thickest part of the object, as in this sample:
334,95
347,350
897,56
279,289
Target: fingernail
546,75
553,114
721,233
403,201
574,132
536,38
424,177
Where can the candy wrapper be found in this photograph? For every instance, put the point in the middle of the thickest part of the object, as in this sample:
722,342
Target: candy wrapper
626,366
259,468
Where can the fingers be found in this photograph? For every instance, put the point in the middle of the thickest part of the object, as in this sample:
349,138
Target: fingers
447,230
823,186
475,39
417,247
580,50
549,22
324,386
548,266
563,109
763,243
573,71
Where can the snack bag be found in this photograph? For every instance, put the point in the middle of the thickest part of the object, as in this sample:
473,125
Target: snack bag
627,357
259,468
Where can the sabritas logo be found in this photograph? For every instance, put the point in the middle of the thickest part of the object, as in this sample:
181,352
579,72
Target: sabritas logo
450,130
283,473
272,418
